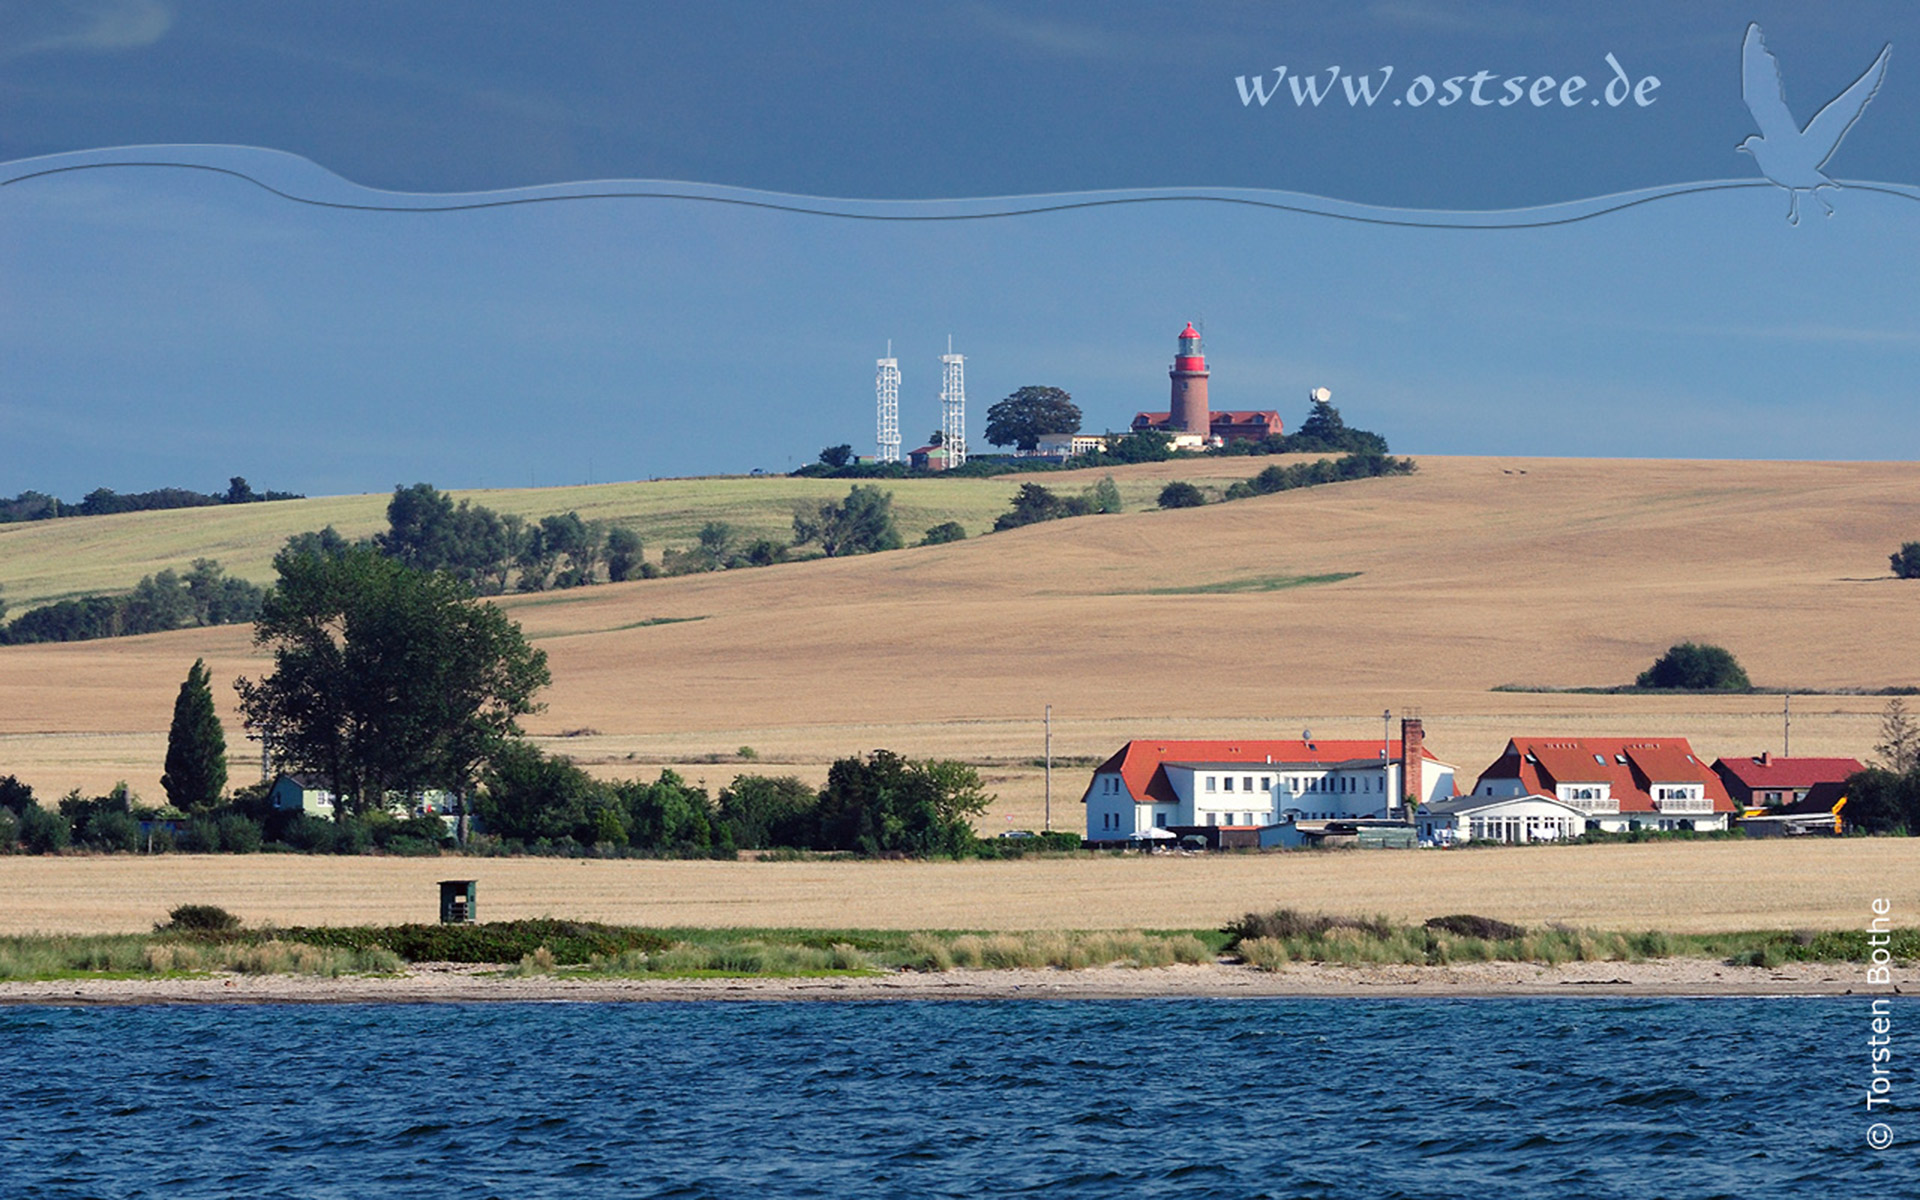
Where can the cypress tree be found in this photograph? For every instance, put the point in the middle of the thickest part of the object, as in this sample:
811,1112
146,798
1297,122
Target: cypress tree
196,747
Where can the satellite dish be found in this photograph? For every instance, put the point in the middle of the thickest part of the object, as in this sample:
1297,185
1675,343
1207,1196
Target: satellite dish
1322,394
1306,735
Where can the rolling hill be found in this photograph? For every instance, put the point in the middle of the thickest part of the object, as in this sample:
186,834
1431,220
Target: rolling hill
1317,608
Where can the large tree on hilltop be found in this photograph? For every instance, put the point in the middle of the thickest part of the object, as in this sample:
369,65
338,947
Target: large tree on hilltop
386,678
1021,418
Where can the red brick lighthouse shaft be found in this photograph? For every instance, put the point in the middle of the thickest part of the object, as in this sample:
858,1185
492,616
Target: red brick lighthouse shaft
1189,376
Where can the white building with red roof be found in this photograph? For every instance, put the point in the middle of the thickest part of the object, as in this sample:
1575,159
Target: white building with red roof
1248,784
1615,784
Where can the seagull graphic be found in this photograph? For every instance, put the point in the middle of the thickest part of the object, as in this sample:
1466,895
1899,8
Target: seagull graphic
1787,154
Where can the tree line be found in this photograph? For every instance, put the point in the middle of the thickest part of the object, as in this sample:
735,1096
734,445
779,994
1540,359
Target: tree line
39,506
165,600
882,805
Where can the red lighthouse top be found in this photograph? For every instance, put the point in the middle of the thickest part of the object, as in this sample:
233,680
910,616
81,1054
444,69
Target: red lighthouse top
1190,359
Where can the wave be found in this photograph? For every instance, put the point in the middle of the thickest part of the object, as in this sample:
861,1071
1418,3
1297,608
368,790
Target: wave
300,180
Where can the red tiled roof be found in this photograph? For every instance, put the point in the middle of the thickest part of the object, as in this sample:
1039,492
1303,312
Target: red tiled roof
1244,416
1629,766
1139,762
1782,773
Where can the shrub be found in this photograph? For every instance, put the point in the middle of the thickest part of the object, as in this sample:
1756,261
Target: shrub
944,532
499,942
201,836
310,833
1181,494
1468,925
199,918
238,835
1695,667
1906,561
43,831
111,831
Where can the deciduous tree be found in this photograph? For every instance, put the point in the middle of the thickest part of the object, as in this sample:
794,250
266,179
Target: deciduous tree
1020,419
385,677
861,524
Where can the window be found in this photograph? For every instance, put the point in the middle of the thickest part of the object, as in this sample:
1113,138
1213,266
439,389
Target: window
1209,783
1229,783
1266,783
1160,820
1246,785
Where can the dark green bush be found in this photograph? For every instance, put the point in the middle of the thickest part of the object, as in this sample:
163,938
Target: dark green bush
43,831
944,532
1181,494
311,834
1695,667
111,831
1906,561
1290,923
238,835
199,918
1468,925
570,942
201,836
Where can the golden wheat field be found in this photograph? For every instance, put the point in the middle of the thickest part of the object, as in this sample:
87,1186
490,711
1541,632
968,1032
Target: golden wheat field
1681,887
1471,573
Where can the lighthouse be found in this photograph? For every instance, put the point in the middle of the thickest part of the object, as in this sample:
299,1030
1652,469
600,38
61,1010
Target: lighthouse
1189,376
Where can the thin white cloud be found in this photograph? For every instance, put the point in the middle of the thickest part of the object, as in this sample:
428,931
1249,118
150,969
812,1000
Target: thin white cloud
84,26
1431,17
1052,37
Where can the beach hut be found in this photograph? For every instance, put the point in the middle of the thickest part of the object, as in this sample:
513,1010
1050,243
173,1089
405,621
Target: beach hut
457,898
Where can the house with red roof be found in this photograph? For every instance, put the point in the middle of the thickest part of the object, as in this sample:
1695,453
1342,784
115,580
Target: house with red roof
1159,788
1614,784
1763,781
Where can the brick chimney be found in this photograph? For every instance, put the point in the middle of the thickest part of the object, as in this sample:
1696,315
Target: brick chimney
1413,744
1766,758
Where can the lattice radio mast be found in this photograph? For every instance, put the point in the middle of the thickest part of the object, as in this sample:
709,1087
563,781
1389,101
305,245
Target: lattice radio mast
886,390
953,406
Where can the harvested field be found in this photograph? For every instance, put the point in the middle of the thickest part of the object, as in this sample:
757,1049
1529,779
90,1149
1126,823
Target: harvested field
1472,573
1679,887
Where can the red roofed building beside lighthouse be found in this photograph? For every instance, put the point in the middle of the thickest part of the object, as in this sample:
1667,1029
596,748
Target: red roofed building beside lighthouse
1190,420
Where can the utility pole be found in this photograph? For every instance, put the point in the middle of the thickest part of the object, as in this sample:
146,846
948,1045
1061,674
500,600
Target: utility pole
1049,722
1786,726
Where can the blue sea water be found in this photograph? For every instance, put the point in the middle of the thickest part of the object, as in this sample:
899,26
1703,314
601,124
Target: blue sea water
1591,1098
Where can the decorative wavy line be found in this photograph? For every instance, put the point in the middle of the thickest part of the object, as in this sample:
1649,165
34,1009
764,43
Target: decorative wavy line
258,165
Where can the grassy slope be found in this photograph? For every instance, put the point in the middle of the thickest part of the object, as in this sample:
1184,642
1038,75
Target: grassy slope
49,560
1472,573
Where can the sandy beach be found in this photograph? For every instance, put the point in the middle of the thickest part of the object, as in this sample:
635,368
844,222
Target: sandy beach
433,983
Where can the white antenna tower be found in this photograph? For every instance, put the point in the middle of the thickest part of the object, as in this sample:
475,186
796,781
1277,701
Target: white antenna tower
953,406
886,390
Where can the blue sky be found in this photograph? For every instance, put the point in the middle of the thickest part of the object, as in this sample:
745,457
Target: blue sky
172,328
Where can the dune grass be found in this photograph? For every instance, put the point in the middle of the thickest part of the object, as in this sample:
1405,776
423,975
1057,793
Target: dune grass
1272,940
1269,942
135,956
